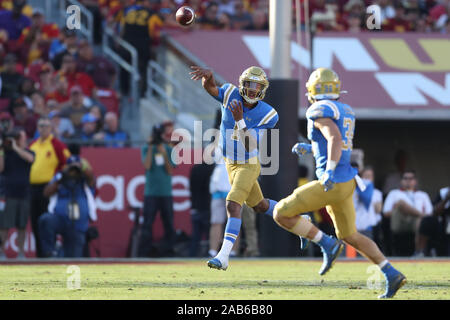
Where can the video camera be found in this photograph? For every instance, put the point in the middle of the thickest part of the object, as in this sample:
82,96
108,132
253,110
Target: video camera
72,172
157,132
7,136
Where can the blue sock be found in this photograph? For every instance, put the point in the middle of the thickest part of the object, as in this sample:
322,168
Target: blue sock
232,229
272,204
389,270
326,242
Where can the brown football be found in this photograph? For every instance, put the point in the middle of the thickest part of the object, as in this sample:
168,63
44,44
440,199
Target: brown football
185,15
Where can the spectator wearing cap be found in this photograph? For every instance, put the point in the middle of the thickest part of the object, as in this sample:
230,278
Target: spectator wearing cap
111,135
15,163
76,78
74,109
62,127
50,157
99,68
10,79
23,117
13,22
71,208
89,128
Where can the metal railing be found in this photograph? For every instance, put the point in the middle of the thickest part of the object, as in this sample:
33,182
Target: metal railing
111,45
171,90
86,18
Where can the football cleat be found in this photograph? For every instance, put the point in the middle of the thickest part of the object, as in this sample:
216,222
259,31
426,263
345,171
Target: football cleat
304,242
215,263
330,256
393,284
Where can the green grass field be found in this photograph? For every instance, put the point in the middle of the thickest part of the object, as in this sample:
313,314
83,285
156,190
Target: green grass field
245,279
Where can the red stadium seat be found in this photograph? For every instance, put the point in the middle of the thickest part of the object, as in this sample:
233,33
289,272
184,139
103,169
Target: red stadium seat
109,99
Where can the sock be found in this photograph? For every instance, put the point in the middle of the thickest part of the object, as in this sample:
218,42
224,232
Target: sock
231,233
324,240
388,270
317,237
383,263
272,204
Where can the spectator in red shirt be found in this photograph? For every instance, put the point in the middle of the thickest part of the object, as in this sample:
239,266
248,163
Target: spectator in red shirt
49,31
60,92
99,68
69,70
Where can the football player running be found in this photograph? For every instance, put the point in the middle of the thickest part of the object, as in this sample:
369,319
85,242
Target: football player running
244,115
331,126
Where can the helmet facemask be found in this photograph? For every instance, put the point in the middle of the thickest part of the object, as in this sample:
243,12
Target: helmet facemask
252,91
253,84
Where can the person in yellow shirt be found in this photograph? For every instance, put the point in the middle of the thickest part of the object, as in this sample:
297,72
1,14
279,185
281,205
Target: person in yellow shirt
50,156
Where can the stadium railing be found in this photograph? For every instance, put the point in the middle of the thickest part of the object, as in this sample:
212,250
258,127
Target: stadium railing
111,45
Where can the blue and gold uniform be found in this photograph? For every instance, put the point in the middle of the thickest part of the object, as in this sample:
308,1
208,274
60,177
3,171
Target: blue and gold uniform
243,167
312,196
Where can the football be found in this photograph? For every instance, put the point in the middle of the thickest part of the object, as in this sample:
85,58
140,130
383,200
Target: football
185,15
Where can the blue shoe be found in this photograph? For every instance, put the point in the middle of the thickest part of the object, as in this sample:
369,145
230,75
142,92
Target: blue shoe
330,256
304,242
215,263
393,285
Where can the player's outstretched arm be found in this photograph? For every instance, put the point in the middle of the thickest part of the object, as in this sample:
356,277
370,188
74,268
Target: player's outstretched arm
208,82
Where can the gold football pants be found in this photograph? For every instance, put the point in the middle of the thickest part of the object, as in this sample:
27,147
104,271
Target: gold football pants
243,179
311,197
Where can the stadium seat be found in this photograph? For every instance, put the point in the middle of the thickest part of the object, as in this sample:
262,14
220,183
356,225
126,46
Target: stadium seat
109,99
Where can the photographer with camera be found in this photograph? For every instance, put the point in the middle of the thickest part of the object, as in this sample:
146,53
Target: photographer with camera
70,209
156,157
15,164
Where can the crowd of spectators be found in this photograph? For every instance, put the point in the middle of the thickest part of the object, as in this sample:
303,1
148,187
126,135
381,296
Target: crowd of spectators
50,71
326,15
